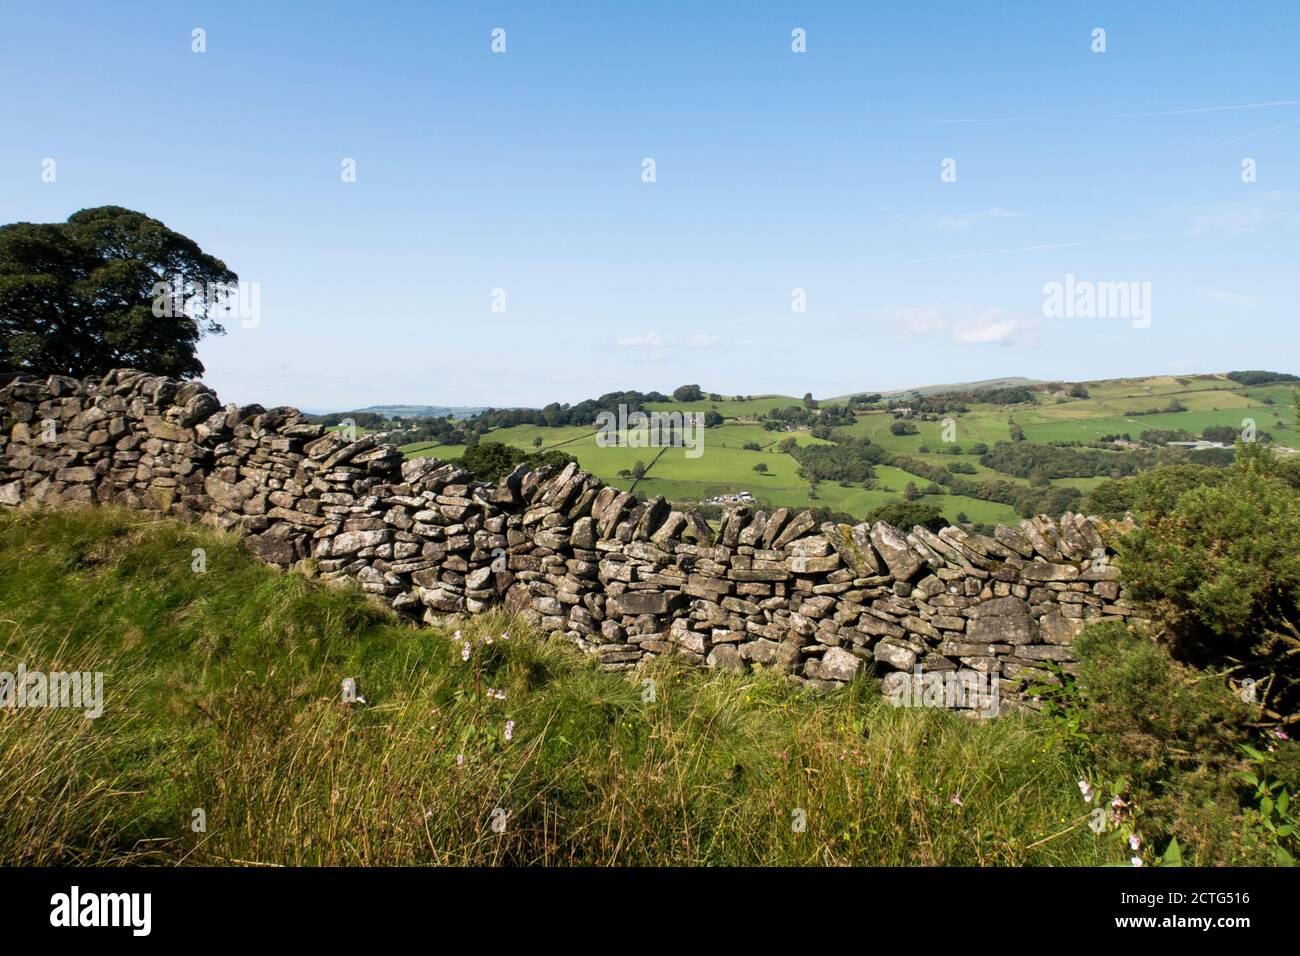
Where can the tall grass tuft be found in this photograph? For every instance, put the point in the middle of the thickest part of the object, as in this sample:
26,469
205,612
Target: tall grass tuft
223,708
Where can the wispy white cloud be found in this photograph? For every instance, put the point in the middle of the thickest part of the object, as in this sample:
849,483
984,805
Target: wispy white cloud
655,344
918,321
1003,252
650,340
960,222
1268,208
992,326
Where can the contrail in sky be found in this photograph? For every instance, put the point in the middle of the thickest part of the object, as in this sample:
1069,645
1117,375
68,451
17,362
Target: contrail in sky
1182,112
1212,109
1238,139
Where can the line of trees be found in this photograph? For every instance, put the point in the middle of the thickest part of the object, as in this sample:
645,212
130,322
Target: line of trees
1261,377
1025,460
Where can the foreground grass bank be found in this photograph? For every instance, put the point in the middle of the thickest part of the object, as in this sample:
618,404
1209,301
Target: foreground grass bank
225,738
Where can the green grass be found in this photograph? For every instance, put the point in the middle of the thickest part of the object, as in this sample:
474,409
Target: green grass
1209,400
982,424
222,695
1091,429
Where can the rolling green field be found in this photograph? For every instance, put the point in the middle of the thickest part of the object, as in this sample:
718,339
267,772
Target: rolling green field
726,466
1209,400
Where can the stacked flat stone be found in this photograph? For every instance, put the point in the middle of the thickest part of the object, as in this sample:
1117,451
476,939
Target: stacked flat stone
626,580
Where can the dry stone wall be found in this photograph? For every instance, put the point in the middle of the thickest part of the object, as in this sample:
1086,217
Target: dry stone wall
624,579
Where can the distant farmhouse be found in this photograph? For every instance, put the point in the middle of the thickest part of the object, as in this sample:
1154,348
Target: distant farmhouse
738,498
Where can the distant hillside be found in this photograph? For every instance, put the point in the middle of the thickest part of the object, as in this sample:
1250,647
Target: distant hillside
419,411
973,460
940,389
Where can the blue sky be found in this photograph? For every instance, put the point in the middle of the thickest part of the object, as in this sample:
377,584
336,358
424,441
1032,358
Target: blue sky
774,171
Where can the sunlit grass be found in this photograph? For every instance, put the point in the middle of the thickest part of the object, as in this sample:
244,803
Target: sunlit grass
223,696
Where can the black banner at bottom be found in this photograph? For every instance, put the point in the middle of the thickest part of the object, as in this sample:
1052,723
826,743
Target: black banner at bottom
361,906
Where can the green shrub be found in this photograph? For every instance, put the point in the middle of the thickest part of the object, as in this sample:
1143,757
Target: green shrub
1162,717
1273,821
1153,492
489,460
1172,734
905,515
1221,575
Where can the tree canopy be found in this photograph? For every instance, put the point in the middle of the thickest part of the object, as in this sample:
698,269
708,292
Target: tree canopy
489,460
906,515
687,393
78,298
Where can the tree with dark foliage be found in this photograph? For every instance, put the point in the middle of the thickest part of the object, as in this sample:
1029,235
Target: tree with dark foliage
78,298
